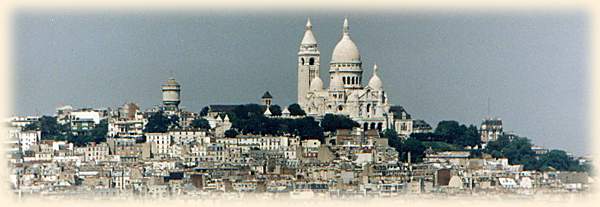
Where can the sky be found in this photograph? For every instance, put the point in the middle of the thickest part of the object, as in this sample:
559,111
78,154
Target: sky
531,66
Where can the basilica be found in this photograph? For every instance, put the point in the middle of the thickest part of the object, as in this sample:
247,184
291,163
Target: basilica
347,95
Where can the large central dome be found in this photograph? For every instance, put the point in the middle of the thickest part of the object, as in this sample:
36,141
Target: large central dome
345,51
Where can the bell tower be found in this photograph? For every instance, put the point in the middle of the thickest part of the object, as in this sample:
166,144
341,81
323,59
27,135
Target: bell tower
308,63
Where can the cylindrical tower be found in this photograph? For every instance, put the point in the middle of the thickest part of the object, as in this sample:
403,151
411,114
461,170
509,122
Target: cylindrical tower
171,94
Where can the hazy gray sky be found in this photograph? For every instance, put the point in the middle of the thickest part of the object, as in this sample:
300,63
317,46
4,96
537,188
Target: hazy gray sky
438,65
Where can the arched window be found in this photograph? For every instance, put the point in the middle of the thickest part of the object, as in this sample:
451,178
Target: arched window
379,126
368,108
353,80
302,61
372,126
311,61
365,126
344,80
340,108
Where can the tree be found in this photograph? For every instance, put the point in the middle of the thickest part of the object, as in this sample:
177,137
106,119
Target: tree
99,132
518,151
495,147
448,129
441,146
296,110
174,121
200,123
80,140
559,160
158,122
392,136
204,111
414,147
275,110
247,111
428,137
459,134
331,122
469,137
50,128
231,133
308,128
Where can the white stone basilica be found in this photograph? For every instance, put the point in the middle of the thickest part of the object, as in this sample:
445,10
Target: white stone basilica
368,105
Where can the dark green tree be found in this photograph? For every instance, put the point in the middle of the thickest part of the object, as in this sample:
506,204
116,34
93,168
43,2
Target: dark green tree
392,136
200,123
448,129
416,149
204,111
495,147
454,133
80,140
158,122
275,110
559,160
331,122
99,132
518,151
231,133
308,128
296,110
50,128
174,121
248,110
469,136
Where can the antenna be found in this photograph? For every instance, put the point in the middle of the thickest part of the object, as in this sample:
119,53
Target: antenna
488,108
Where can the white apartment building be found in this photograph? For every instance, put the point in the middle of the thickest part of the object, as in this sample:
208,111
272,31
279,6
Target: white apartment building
25,139
160,143
22,121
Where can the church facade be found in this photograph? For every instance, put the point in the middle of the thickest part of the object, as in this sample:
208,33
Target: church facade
347,93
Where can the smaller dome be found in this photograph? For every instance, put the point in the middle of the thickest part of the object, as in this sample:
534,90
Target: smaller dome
316,84
375,83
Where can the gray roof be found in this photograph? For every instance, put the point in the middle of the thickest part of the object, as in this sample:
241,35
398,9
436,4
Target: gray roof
267,95
397,111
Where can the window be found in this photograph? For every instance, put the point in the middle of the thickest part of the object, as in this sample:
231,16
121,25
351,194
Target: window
302,61
311,61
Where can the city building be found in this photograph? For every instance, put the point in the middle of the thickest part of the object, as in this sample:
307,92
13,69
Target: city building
490,129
